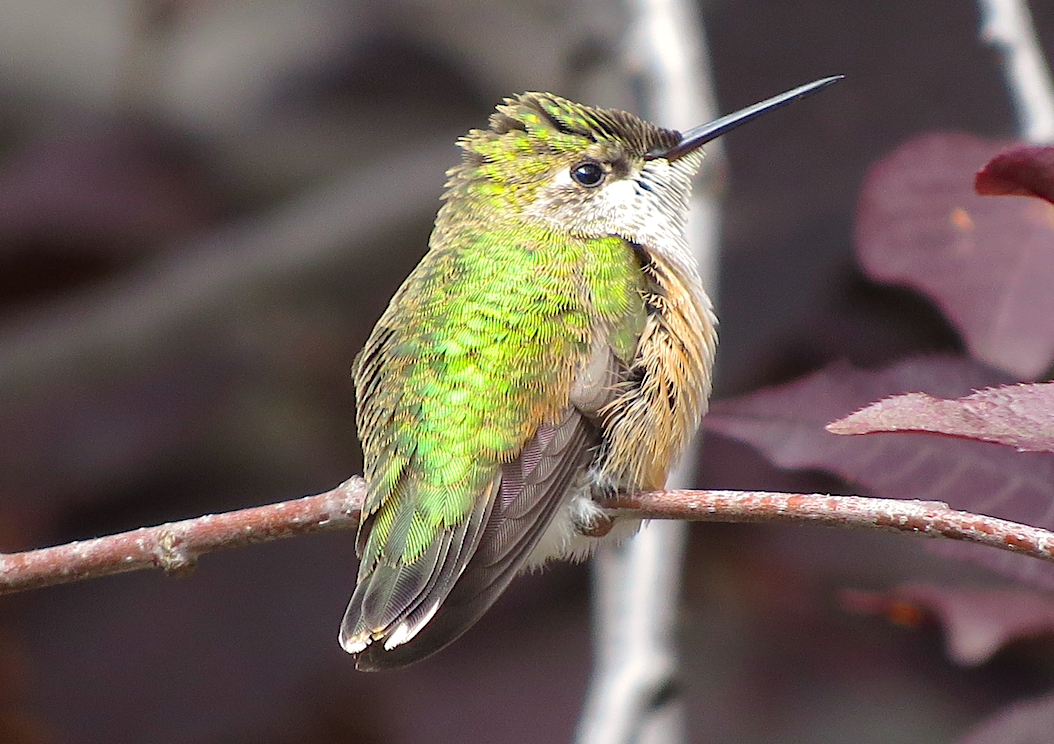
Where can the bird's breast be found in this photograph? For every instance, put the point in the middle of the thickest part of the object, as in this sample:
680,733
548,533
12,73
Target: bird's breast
663,394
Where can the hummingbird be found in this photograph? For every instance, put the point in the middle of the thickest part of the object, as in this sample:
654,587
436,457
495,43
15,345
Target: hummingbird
553,347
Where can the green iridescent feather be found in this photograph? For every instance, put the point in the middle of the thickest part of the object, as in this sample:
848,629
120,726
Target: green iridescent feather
471,440
480,344
476,350
554,344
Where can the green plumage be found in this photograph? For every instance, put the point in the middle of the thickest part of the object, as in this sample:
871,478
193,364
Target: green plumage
477,348
553,346
480,343
480,391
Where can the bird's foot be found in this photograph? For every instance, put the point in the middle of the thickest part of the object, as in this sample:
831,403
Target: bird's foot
589,517
599,526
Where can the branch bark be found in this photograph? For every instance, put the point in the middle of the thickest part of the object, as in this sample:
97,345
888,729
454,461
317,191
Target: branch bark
1007,26
176,546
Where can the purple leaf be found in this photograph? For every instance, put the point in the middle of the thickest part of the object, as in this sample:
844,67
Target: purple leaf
988,263
1020,171
1020,416
1029,722
977,623
786,424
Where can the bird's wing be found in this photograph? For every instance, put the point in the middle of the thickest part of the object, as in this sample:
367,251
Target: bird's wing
527,492
469,429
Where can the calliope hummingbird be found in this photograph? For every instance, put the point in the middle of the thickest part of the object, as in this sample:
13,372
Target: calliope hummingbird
553,347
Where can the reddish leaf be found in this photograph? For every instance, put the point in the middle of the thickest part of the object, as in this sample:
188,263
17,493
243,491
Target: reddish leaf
977,623
786,424
988,263
1020,416
1029,722
1020,171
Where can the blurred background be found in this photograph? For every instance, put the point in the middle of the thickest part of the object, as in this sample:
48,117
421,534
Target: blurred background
204,207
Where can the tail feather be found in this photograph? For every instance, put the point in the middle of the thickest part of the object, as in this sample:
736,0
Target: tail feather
529,492
391,599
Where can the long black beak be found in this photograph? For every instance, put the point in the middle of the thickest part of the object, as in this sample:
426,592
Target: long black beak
700,135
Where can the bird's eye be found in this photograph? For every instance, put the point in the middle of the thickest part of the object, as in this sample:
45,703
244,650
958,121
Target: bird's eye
588,173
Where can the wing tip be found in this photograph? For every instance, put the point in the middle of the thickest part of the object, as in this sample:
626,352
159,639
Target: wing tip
407,631
356,642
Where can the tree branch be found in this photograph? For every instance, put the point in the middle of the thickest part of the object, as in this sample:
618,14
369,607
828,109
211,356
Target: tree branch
925,518
175,547
1007,26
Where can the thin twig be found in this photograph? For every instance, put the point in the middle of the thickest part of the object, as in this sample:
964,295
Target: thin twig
177,545
1007,26
926,518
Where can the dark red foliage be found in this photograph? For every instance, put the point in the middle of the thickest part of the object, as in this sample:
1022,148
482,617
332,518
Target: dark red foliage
1028,722
786,424
988,263
1020,416
1020,171
977,623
